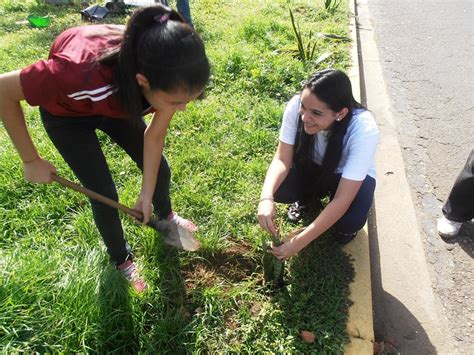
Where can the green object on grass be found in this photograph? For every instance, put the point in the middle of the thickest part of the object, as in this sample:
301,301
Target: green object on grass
38,21
273,268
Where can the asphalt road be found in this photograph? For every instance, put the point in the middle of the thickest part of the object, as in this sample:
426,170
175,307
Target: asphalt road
426,50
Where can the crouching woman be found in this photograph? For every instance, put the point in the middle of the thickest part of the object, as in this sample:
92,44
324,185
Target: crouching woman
326,148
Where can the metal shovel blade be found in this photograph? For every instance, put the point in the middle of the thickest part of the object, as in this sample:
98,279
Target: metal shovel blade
175,235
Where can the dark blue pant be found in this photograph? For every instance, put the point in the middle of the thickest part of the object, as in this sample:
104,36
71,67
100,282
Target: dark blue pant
183,9
301,185
76,140
459,206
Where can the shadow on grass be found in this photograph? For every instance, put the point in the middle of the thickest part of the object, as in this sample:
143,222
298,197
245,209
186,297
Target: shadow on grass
316,296
117,332
166,315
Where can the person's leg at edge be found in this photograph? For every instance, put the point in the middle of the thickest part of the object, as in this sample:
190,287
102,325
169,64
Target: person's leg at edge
185,11
76,141
459,207
346,228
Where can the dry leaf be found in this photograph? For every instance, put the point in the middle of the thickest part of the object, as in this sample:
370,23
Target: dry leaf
255,309
308,337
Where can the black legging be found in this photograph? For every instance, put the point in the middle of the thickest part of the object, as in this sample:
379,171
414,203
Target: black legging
76,140
301,185
459,206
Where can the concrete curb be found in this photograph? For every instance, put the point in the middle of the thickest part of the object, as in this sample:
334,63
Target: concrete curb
405,306
360,325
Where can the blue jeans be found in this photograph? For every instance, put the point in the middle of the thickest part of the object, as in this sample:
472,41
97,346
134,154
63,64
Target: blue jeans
76,140
183,9
301,185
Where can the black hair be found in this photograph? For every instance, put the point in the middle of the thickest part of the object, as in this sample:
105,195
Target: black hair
160,45
334,88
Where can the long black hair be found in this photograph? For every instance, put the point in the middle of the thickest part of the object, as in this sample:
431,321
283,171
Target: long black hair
158,44
334,88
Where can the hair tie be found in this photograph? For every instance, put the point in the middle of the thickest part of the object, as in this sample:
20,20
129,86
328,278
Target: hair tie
162,18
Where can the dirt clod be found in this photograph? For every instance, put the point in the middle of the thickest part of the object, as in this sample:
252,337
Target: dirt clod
307,336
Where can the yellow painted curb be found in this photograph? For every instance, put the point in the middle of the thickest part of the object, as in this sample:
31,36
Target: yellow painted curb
360,326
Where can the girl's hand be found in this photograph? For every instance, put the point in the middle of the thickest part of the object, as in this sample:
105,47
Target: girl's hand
145,206
38,171
265,214
287,249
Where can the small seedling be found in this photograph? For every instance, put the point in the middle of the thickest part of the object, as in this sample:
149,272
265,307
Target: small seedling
273,268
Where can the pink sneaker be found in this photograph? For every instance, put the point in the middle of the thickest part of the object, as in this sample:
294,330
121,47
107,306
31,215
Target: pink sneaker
180,221
129,270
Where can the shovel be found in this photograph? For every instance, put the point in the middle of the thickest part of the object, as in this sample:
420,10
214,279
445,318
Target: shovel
173,234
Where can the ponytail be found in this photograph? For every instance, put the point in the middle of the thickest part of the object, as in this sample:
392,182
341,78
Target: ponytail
158,44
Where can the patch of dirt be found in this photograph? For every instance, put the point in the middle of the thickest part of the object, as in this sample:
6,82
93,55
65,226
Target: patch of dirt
230,318
230,321
232,265
255,309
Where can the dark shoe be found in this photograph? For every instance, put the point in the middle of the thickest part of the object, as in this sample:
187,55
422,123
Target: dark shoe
296,212
94,13
116,7
344,238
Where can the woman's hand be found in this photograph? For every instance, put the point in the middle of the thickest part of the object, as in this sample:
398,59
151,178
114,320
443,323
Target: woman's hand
38,171
288,248
145,206
276,174
265,214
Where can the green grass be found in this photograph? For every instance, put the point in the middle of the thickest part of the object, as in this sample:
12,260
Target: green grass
58,293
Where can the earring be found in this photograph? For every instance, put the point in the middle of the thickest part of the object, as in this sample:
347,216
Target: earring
338,119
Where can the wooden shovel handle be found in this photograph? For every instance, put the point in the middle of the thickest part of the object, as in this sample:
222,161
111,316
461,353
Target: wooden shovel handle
98,197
